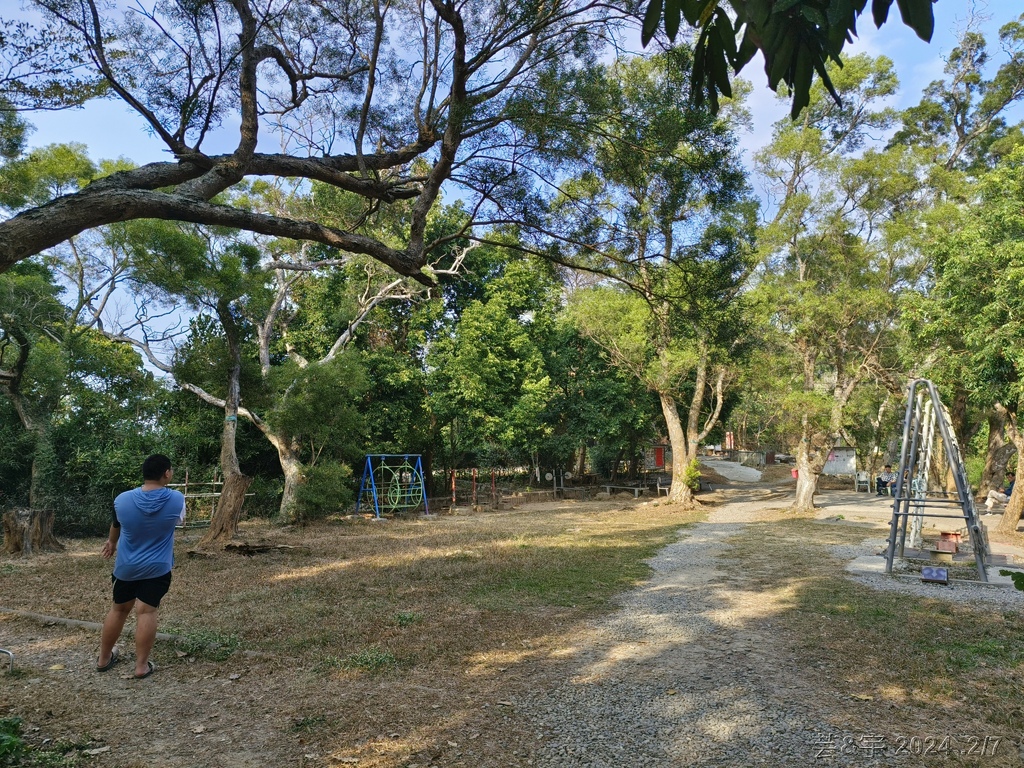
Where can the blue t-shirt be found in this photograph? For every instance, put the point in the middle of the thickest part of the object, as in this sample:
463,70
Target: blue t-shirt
145,549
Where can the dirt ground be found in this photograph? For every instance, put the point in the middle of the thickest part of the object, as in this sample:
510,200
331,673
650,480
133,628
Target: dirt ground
268,704
286,696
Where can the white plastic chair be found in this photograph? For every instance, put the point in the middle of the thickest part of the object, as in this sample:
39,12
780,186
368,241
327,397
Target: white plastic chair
863,482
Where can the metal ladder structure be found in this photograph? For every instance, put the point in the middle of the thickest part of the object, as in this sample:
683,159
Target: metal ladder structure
927,421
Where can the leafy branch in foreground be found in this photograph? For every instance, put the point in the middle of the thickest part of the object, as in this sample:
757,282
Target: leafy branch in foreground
796,37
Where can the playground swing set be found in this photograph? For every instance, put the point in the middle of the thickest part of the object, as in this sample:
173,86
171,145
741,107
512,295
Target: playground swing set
392,483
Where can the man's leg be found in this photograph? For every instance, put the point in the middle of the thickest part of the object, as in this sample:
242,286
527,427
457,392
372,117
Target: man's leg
995,497
112,626
145,635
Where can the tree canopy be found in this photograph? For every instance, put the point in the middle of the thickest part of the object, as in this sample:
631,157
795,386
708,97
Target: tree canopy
387,104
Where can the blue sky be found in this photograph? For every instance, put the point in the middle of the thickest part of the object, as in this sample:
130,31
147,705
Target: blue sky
110,130
917,63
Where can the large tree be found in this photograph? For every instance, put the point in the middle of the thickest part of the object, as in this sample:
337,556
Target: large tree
488,378
388,102
831,278
663,215
979,265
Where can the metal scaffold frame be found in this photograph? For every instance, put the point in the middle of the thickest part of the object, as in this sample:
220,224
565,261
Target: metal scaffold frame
927,420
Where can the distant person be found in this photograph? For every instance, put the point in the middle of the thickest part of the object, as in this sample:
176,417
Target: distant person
1003,496
143,526
886,481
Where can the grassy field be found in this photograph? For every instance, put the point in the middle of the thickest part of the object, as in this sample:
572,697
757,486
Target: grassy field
401,643
368,611
910,665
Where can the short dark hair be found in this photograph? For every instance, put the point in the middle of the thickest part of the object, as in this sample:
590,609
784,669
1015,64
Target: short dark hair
887,466
155,466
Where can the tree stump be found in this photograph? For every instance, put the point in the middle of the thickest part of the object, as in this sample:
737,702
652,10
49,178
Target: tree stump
28,531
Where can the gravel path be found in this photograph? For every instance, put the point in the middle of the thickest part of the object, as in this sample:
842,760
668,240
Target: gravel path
688,672
679,676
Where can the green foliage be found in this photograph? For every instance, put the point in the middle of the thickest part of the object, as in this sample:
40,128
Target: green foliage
326,489
206,644
828,295
797,39
978,265
309,723
663,209
15,753
372,659
962,119
407,618
43,174
394,409
692,475
488,378
12,747
319,404
1016,576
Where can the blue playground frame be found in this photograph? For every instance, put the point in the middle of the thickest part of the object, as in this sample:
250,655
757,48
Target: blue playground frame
393,481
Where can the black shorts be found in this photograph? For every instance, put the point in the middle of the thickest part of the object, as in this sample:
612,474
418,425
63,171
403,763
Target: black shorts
149,591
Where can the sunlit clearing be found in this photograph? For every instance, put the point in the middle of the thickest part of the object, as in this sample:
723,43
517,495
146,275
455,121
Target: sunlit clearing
743,607
312,570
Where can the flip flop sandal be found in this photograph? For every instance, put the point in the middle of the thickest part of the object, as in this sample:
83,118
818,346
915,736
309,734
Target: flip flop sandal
150,671
115,656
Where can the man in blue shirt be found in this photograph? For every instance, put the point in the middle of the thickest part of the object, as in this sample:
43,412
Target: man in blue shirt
142,535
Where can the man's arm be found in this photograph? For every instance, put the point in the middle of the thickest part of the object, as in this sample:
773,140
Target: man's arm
110,545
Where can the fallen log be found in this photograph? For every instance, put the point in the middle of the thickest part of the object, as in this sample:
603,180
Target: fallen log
248,550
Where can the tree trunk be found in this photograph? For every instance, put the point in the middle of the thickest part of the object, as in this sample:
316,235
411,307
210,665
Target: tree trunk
292,468
224,524
615,465
36,522
1015,506
27,531
998,453
681,456
811,456
634,461
806,480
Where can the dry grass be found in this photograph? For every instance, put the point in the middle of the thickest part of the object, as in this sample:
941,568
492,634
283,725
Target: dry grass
710,476
403,643
834,483
778,473
909,665
385,641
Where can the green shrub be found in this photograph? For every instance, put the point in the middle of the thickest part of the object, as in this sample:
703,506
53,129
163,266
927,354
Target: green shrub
326,490
12,748
691,475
